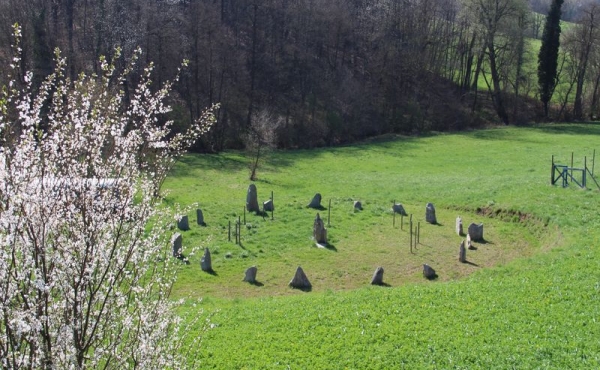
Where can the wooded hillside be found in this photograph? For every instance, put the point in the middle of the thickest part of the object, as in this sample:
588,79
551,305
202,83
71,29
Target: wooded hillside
328,71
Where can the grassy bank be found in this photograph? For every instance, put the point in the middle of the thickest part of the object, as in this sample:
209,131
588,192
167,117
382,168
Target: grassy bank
527,299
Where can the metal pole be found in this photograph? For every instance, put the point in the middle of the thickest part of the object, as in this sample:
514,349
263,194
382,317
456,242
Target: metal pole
273,204
244,215
419,232
593,162
411,233
329,214
584,177
552,172
239,231
571,164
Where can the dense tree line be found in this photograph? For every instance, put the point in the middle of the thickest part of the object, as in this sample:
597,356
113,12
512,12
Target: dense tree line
328,71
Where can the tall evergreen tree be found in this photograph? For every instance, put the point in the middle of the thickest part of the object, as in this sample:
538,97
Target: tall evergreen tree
548,56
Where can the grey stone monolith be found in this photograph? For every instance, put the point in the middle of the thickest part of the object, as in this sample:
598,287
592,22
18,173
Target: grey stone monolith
268,206
200,217
300,281
315,202
177,242
250,275
462,254
459,226
476,232
428,272
319,231
377,276
205,261
358,205
252,199
430,214
398,208
183,223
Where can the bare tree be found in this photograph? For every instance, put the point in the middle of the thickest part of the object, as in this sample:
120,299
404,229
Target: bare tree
261,136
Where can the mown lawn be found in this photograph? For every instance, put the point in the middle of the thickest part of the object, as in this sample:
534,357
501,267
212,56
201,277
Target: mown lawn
527,299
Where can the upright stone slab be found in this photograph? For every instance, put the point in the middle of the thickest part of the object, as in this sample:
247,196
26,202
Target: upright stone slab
315,202
177,242
476,232
428,272
469,243
268,206
398,208
377,276
358,205
206,262
300,281
459,226
252,199
183,223
200,217
430,214
462,254
250,275
319,231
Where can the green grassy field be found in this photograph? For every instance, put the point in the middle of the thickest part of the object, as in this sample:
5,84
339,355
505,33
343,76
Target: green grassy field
527,299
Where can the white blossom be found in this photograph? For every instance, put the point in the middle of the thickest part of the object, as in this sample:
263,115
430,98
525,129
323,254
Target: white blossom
84,247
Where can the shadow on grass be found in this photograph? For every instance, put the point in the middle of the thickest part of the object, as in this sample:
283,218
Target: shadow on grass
256,283
328,246
580,128
471,263
183,259
211,272
304,289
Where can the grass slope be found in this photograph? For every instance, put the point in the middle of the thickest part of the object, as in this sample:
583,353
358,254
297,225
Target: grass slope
537,308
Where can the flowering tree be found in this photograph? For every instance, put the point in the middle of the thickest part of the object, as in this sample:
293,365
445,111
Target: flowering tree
85,272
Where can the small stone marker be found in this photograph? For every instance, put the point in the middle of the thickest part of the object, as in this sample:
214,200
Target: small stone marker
200,217
476,232
252,199
358,205
462,254
459,227
319,231
430,214
428,272
205,261
250,275
268,206
183,223
469,244
377,276
315,202
300,281
177,242
398,208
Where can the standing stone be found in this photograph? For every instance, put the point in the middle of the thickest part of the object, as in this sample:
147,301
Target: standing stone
430,214
177,242
200,217
476,232
300,281
252,199
250,276
268,206
398,208
315,202
319,231
183,223
205,261
459,227
428,272
469,243
358,205
462,254
377,276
